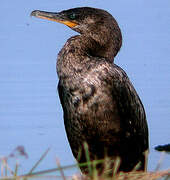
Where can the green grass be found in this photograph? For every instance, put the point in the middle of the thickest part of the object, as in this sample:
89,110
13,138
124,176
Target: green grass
8,174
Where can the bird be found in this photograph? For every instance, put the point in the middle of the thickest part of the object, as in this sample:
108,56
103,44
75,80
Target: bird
101,107
165,148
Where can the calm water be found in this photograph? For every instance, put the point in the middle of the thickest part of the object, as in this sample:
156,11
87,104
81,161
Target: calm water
30,112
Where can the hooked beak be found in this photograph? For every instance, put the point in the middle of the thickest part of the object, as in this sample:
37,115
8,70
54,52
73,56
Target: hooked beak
57,17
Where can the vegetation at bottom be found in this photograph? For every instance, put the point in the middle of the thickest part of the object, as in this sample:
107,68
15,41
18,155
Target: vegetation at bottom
49,174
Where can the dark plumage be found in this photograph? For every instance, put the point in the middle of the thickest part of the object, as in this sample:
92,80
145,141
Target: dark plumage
165,148
101,106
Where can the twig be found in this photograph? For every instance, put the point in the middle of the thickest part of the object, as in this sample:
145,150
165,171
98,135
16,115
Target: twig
61,170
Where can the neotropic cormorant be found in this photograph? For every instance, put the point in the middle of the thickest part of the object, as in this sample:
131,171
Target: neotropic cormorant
101,106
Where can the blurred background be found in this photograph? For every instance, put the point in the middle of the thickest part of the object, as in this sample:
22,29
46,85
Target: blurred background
30,111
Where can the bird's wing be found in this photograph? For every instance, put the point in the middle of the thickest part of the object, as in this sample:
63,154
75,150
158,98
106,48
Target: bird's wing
129,105
61,94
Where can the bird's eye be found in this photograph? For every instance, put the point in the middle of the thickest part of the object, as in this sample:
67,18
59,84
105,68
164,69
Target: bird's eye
72,16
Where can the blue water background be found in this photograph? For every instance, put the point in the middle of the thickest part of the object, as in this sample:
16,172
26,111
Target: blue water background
30,111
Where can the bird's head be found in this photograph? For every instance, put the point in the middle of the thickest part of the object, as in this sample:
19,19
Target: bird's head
96,23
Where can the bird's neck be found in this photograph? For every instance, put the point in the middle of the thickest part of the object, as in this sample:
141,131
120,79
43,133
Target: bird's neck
72,57
102,46
78,50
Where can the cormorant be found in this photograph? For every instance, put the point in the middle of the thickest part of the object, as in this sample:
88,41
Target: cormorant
100,104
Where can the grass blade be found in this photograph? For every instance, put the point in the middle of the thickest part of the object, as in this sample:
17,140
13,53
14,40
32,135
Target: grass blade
38,162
